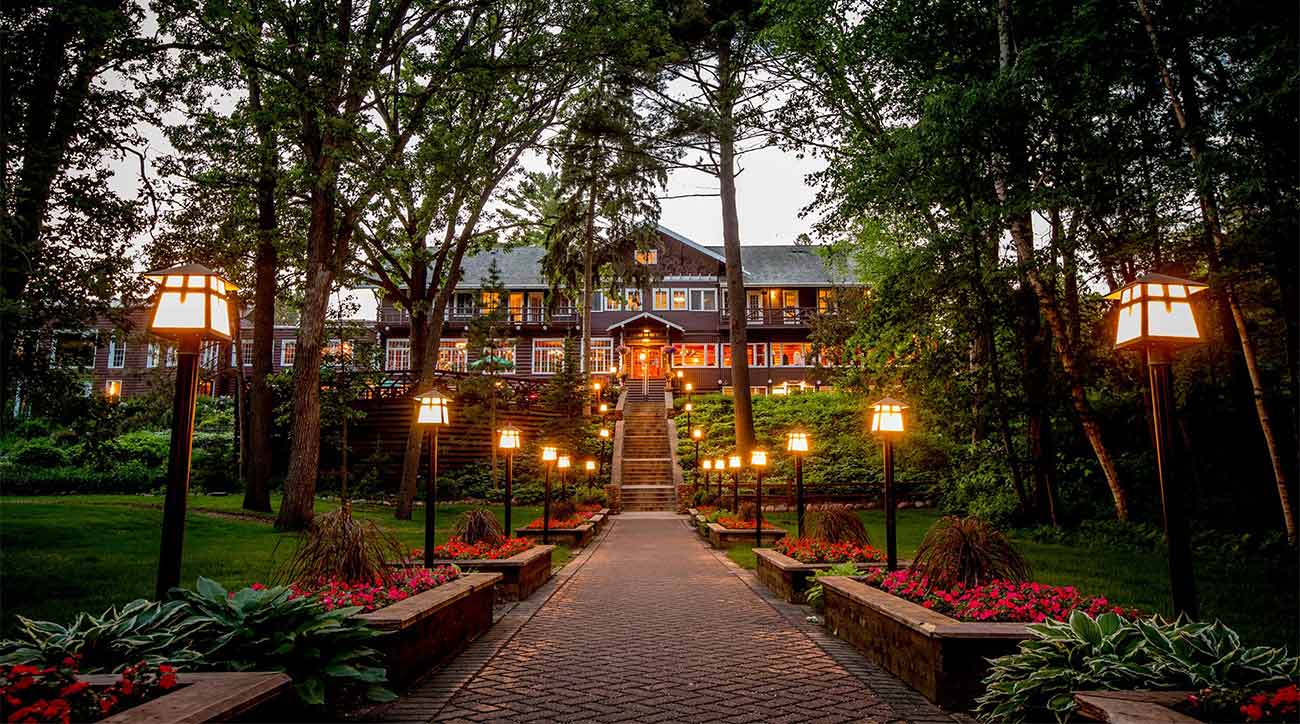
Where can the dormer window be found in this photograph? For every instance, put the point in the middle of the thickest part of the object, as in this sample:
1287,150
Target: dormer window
648,257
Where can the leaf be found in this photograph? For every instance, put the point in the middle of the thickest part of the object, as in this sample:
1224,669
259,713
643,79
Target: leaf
210,589
311,691
1085,628
341,671
380,694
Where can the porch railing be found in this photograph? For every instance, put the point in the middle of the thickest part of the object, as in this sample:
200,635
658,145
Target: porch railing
779,316
568,315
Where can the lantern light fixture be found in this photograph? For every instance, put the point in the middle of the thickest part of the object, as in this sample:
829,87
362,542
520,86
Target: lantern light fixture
596,386
697,433
688,407
549,453
1156,309
706,464
796,441
431,407
720,464
192,299
758,458
604,433
733,462
604,408
689,388
590,466
563,462
509,438
887,416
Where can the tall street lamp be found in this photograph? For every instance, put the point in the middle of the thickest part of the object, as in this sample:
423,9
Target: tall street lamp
1155,317
708,470
688,407
645,374
719,465
563,463
697,434
604,437
758,460
549,454
431,410
887,423
508,442
734,462
796,443
689,389
590,466
192,304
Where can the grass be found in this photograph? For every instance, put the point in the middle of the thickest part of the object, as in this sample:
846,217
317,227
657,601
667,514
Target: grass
61,555
1253,597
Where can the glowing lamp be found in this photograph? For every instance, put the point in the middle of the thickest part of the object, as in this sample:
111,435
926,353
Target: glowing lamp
549,453
596,386
604,408
719,464
697,433
192,300
431,408
590,465
707,464
887,416
613,369
689,388
1156,309
641,356
563,462
733,462
758,458
604,433
509,439
688,407
796,441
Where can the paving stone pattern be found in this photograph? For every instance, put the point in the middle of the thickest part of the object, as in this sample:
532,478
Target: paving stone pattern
649,625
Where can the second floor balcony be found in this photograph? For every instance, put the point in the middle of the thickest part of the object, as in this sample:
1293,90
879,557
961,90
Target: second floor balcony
456,315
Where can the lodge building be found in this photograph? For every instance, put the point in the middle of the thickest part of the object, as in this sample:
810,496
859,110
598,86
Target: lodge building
678,321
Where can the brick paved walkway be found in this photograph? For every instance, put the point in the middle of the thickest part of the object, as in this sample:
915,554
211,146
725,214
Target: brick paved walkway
651,626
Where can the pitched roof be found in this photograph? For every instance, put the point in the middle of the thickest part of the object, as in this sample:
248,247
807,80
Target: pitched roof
791,265
520,268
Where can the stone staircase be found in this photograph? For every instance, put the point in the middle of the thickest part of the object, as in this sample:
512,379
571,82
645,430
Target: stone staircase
647,482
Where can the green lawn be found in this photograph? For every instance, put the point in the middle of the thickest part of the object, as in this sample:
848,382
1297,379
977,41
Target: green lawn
61,555
1251,596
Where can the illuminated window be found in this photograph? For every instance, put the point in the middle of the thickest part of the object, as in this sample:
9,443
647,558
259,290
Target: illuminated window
757,356
489,301
288,350
152,355
505,352
602,353
116,352
453,355
338,348
113,389
826,301
171,356
661,299
548,356
648,257
633,300
397,354
704,300
680,300
754,391
791,354
695,355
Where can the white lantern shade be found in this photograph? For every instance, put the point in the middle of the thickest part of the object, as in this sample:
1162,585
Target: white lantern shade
796,441
563,462
887,416
590,465
549,453
733,461
191,299
604,432
758,458
1156,309
431,408
509,438
697,433
707,464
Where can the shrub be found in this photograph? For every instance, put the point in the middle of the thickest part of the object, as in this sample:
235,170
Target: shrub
979,485
1112,653
747,512
593,496
127,477
479,526
563,510
838,525
338,547
38,452
816,593
35,427
967,551
146,446
139,631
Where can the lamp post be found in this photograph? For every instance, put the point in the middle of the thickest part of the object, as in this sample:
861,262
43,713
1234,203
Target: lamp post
595,386
796,443
604,437
758,460
680,375
431,410
590,466
733,462
887,423
192,304
689,408
563,463
708,470
645,375
549,454
509,442
1155,317
697,434
719,465
689,389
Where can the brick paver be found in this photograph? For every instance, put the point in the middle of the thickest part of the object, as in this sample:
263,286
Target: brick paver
651,626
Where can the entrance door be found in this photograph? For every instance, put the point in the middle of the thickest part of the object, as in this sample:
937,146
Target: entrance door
652,368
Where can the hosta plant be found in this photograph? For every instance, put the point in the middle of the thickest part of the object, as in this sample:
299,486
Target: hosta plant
141,630
816,593
1111,652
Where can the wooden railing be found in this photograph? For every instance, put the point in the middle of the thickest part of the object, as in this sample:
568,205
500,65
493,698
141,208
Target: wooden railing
512,390
780,316
565,316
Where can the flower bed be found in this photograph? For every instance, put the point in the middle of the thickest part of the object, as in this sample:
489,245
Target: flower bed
1172,707
458,550
788,577
521,573
55,694
374,596
574,522
732,523
811,550
1003,601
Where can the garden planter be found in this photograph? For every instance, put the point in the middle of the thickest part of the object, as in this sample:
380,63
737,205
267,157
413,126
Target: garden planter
943,658
202,697
598,521
1133,707
431,627
789,578
521,574
720,537
572,537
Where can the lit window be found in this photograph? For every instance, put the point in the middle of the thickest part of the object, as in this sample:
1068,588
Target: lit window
171,356
826,301
152,355
397,354
208,355
679,300
113,389
338,348
602,353
288,350
756,391
661,299
791,354
548,356
704,300
757,356
505,352
489,301
116,353
633,300
453,355
650,256
695,355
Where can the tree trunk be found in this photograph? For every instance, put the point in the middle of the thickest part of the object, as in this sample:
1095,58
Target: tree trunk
1187,114
744,410
257,489
423,359
1022,236
587,261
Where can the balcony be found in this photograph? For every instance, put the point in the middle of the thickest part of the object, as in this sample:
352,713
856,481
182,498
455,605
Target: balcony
780,316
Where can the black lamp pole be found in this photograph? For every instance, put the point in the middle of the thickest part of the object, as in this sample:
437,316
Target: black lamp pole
891,541
431,498
735,491
546,508
178,465
798,494
510,483
1181,583
758,507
